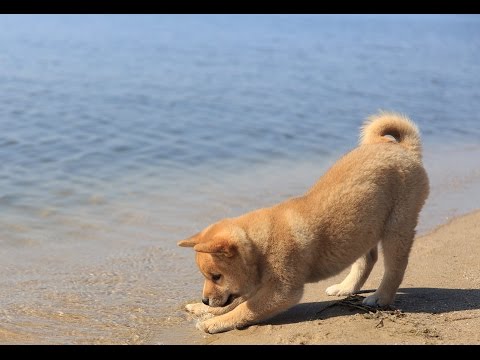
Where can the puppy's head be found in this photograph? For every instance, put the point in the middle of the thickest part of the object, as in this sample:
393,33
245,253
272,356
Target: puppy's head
226,259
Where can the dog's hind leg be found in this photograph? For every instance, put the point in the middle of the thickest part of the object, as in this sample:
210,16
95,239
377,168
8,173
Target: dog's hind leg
358,275
396,248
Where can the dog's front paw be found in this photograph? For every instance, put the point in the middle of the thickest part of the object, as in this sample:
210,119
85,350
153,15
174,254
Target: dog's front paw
213,326
197,308
339,290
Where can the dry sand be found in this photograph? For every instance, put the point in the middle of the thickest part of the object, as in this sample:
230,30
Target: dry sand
437,303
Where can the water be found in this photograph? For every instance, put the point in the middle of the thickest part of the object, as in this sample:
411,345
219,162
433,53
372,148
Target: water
121,134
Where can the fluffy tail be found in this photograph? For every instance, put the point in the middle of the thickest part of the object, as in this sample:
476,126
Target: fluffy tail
387,125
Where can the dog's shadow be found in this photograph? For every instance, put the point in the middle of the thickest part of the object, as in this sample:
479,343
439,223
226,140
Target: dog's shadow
409,300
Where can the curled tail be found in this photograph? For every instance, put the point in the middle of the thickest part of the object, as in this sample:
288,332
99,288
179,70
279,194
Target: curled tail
377,127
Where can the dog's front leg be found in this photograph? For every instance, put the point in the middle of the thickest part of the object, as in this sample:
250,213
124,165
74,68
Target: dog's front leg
263,305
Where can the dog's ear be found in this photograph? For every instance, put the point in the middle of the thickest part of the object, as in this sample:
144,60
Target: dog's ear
191,241
220,246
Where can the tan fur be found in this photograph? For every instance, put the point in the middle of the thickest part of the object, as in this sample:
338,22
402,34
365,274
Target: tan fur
372,194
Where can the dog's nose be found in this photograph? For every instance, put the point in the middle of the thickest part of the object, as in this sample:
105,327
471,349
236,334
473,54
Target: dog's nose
205,301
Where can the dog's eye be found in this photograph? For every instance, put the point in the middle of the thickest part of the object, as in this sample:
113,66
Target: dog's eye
216,277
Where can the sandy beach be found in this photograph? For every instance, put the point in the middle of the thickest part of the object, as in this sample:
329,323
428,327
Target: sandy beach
437,303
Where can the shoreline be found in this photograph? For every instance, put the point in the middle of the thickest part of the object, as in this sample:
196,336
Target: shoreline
110,271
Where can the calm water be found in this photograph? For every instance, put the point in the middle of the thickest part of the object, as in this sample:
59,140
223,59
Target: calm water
120,135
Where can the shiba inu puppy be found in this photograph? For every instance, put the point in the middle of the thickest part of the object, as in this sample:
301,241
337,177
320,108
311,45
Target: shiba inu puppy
256,265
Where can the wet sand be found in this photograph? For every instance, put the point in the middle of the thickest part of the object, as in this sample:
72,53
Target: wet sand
438,303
